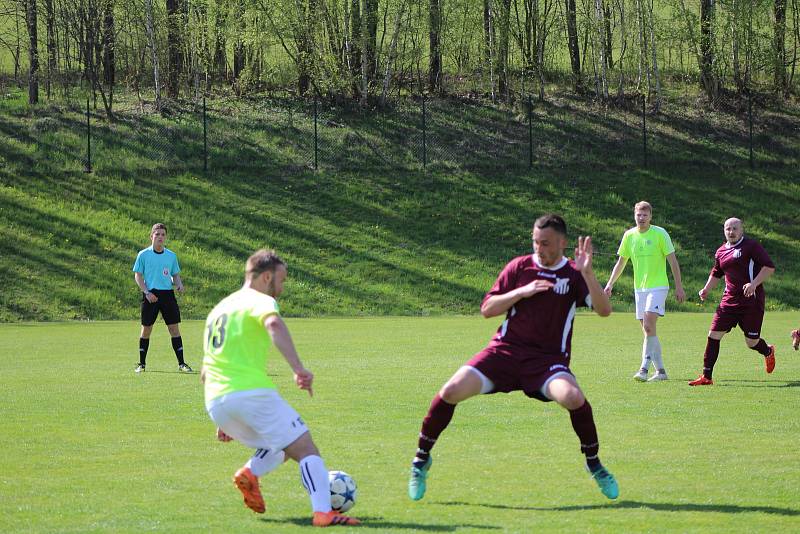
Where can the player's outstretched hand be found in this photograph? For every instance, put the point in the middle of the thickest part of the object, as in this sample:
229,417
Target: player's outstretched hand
583,254
222,436
304,379
703,293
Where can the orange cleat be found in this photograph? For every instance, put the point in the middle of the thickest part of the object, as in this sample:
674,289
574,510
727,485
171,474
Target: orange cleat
247,483
796,339
327,519
701,381
769,361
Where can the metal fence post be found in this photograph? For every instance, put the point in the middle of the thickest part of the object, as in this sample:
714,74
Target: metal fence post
644,130
316,162
205,138
424,134
88,167
750,119
530,132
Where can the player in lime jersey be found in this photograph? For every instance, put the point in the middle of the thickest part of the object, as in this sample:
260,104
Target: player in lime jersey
241,398
648,246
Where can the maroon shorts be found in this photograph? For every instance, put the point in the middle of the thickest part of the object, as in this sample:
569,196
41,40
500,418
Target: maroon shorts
513,369
749,320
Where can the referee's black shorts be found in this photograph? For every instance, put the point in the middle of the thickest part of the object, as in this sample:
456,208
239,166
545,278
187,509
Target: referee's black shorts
166,304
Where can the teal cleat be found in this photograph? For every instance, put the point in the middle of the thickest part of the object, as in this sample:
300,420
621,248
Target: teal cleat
606,482
416,482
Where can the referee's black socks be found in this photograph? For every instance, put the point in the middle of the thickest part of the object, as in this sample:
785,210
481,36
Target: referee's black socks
144,344
177,346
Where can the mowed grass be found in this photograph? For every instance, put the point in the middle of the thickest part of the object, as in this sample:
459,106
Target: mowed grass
88,446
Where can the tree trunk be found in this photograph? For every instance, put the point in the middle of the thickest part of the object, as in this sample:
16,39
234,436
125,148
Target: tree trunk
371,36
33,53
654,53
51,44
390,58
600,50
174,46
355,45
434,34
572,44
109,45
151,41
779,47
608,41
708,78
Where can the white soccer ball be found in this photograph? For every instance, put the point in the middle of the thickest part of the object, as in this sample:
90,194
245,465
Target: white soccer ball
343,490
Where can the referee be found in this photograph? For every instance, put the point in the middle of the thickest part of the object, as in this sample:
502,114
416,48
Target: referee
155,271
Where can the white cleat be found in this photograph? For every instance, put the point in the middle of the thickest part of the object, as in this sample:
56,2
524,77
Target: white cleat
658,377
641,376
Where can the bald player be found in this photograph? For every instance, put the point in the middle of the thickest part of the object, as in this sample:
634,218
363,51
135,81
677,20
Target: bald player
746,266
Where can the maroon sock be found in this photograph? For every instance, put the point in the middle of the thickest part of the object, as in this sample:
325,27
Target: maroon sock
710,357
439,415
761,347
583,423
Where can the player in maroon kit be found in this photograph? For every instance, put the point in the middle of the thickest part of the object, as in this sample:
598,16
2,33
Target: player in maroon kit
538,293
796,339
745,265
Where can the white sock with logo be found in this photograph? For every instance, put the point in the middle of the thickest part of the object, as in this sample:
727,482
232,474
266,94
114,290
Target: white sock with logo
315,479
263,462
646,358
654,349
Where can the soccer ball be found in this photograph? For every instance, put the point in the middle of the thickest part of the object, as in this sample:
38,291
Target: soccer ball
343,491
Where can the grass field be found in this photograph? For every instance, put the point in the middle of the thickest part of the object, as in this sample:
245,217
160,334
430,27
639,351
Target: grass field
88,446
362,237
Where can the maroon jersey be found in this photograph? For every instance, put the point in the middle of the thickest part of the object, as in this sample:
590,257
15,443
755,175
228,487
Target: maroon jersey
740,264
542,324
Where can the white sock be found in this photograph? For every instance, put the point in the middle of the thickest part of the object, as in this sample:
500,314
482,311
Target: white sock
263,462
645,355
315,479
654,349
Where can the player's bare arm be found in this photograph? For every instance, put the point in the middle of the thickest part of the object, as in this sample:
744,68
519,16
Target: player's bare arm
583,261
711,283
680,294
178,283
616,272
139,278
750,289
282,340
500,304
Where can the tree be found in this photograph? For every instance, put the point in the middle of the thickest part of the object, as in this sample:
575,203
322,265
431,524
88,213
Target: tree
572,43
708,78
175,27
779,48
434,35
33,53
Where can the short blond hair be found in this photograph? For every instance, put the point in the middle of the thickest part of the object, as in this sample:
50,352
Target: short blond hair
643,205
158,226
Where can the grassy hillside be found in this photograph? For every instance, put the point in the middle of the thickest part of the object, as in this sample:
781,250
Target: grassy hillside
371,232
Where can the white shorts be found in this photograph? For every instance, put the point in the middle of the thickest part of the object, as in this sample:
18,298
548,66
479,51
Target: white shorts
258,418
651,300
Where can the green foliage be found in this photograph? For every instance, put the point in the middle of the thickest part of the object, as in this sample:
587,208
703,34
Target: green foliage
92,447
371,232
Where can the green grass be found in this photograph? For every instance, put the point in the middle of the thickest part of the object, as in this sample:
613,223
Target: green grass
370,233
91,447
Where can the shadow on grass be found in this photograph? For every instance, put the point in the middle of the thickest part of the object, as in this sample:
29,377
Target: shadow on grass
380,523
660,507
759,384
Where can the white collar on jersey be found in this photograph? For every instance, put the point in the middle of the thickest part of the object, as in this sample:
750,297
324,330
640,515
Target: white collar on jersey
728,245
559,265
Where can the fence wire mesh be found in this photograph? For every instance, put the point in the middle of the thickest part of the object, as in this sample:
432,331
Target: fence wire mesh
289,135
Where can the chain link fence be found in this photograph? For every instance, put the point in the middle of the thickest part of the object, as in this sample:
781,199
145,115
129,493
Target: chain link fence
291,135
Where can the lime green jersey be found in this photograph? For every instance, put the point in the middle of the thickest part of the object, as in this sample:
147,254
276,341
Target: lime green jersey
236,344
648,252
